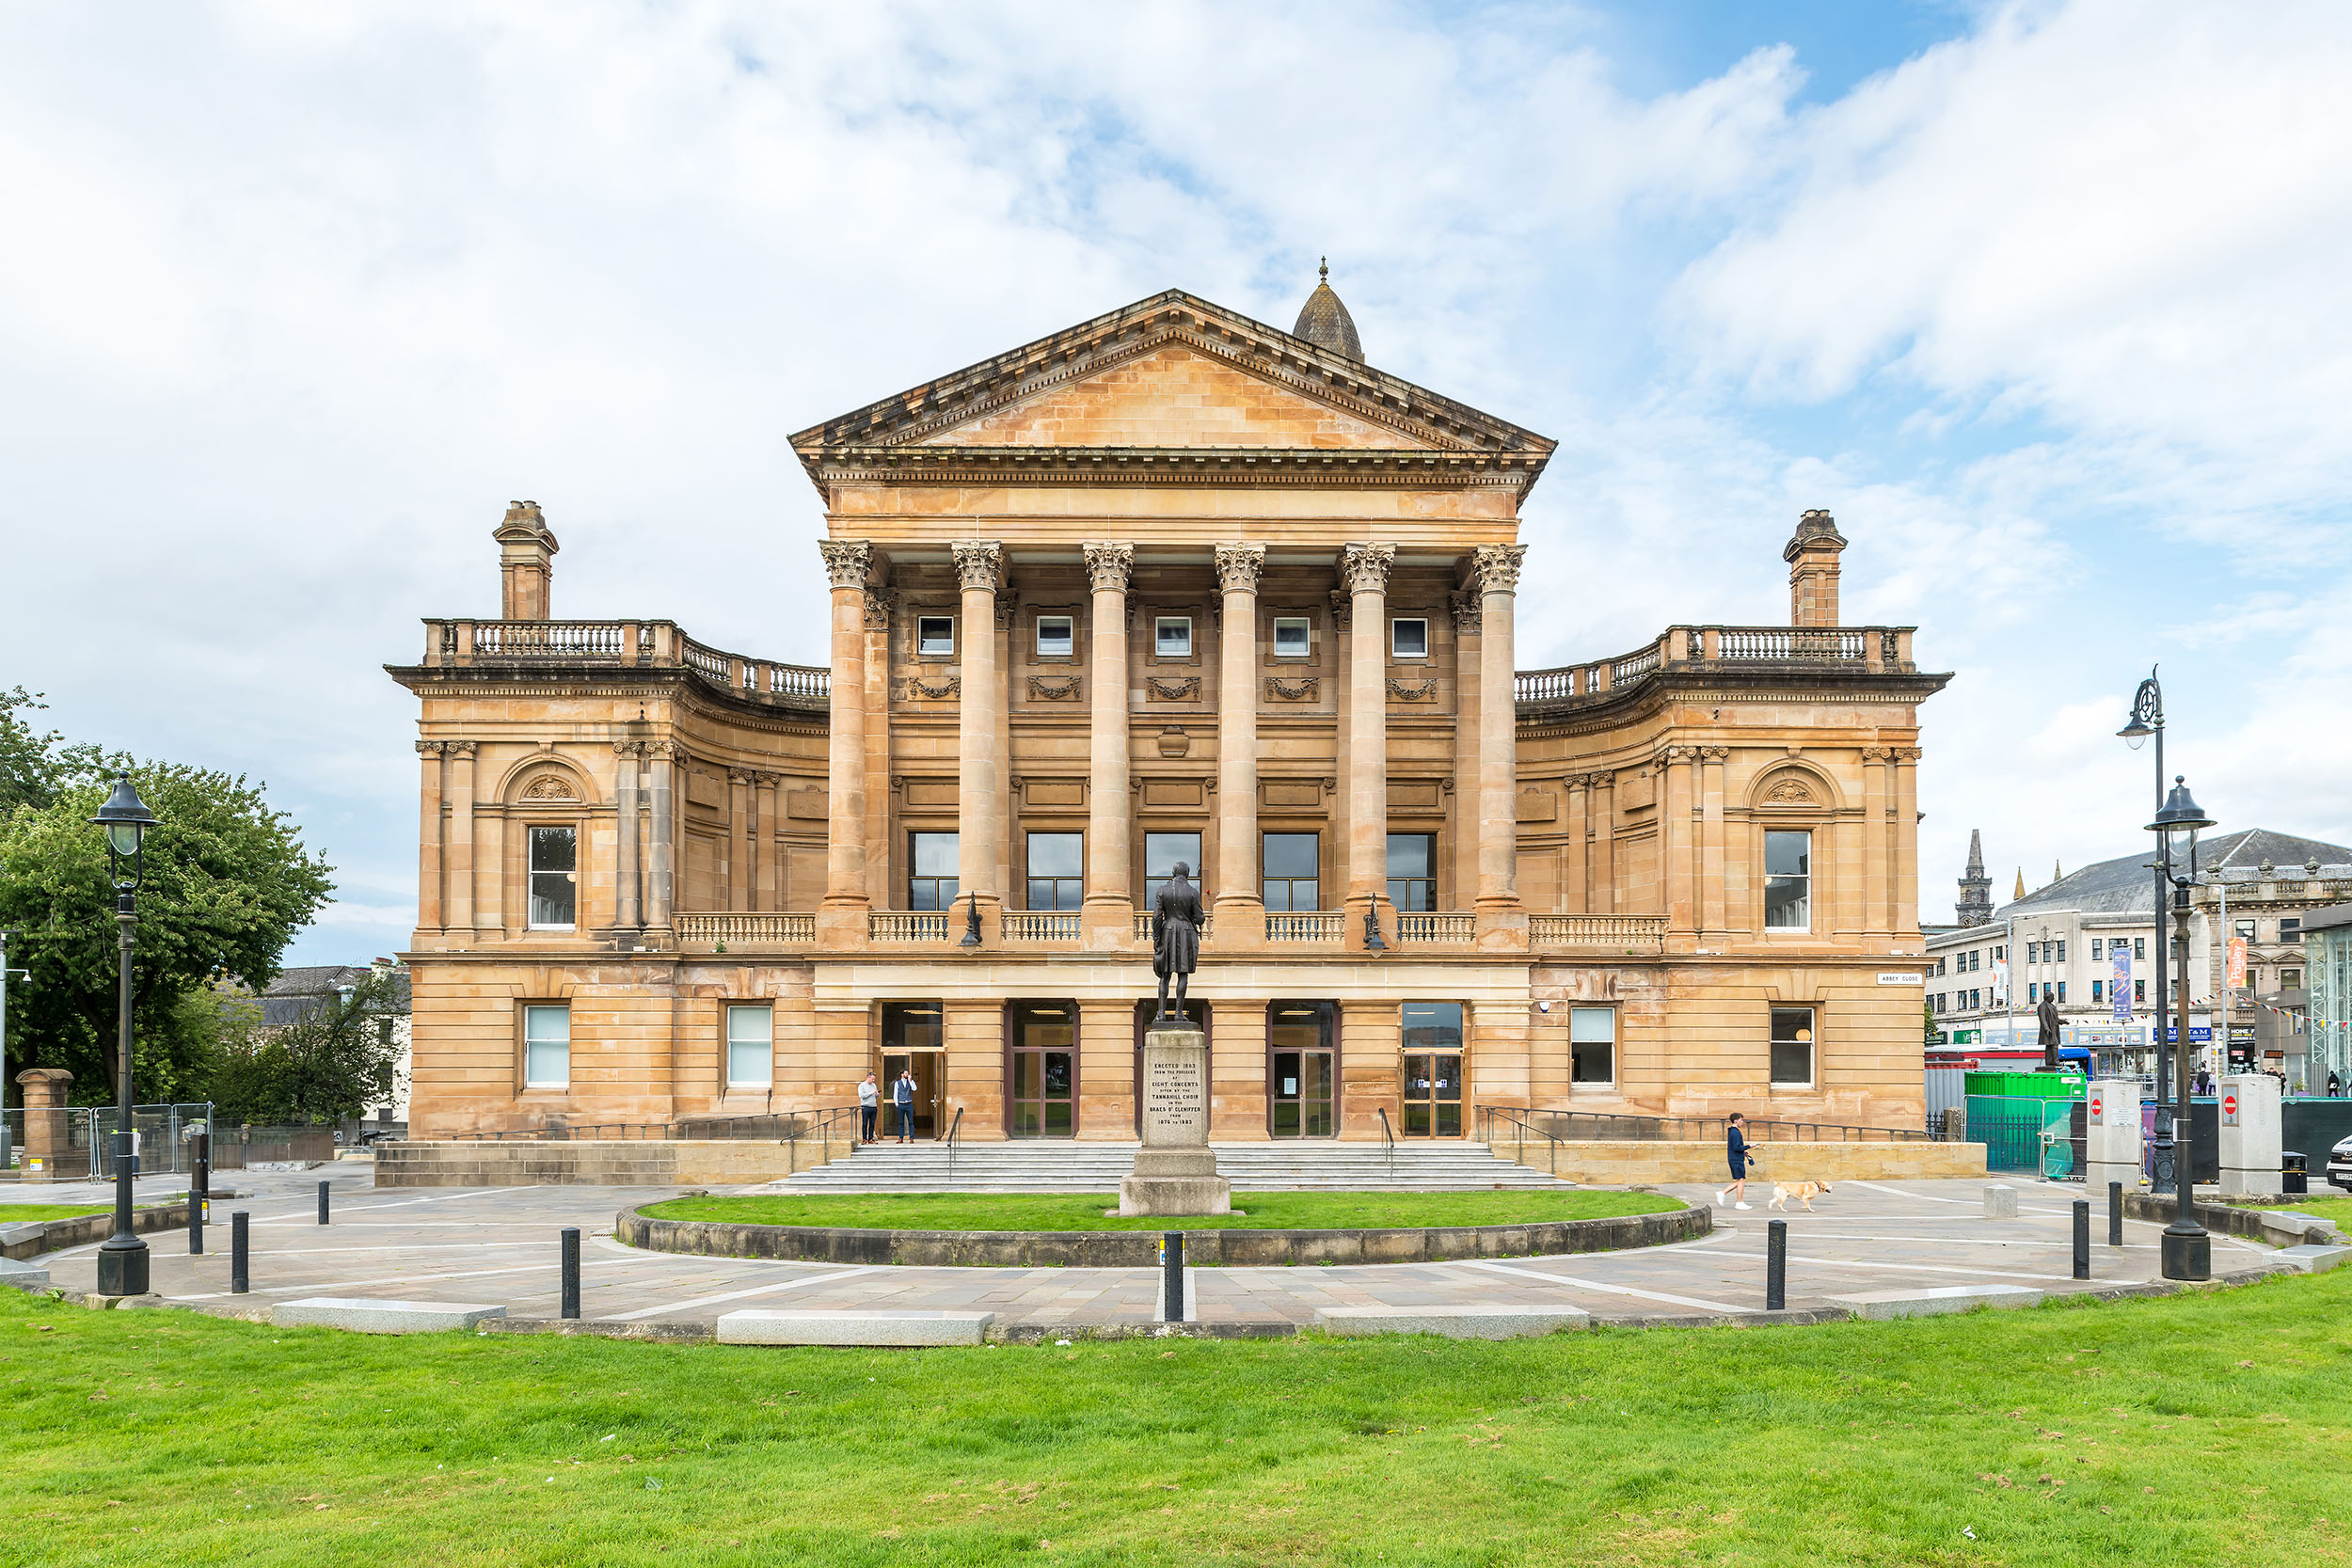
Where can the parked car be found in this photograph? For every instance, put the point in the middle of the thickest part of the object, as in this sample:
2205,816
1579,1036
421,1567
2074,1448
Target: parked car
2340,1164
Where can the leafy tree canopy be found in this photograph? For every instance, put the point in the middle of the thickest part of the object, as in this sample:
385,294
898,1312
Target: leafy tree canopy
335,1063
227,883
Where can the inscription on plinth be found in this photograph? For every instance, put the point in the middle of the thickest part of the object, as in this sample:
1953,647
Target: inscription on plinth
1175,1171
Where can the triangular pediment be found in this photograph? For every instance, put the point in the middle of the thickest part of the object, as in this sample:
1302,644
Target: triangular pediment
1173,396
1171,373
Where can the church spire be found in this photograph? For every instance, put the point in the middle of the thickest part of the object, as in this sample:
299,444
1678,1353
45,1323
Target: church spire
1975,888
2021,884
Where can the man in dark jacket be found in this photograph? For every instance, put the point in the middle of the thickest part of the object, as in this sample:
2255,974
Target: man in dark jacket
1736,1151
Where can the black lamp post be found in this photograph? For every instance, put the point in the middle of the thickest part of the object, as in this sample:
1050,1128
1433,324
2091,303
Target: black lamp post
122,1256
2147,719
2188,1251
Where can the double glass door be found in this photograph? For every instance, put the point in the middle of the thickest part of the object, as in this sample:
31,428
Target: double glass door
1302,1070
1432,1096
1041,1076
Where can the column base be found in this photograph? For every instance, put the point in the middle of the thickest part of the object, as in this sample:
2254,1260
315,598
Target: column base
1502,926
1235,926
1108,925
842,923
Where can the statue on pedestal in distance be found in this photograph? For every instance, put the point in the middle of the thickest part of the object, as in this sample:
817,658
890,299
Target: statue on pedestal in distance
1176,919
2047,1016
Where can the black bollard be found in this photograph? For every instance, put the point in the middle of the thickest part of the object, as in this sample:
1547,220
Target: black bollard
1777,1266
322,1203
571,1273
199,1192
1173,1277
240,1281
2082,1238
197,1202
2115,1213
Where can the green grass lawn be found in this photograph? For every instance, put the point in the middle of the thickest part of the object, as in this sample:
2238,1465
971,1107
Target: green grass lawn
2197,1430
13,1213
1084,1211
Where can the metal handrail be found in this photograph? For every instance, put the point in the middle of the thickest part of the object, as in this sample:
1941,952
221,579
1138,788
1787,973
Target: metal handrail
1610,1127
955,1141
1387,1137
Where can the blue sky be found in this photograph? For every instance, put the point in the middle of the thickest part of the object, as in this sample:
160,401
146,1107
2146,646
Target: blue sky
2046,303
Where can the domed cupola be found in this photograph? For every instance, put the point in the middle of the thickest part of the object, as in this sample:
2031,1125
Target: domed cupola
1325,320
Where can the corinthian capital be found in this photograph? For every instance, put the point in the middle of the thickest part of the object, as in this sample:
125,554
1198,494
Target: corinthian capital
1364,568
428,747
879,604
1496,568
847,561
980,563
1238,565
1110,565
1468,611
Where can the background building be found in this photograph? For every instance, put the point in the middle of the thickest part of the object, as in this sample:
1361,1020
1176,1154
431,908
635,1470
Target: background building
2065,937
1169,586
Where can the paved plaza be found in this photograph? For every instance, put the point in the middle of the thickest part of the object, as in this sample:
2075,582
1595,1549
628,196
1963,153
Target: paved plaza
500,1246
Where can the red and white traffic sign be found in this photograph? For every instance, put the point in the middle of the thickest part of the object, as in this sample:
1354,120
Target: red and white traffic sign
2229,1105
2098,1107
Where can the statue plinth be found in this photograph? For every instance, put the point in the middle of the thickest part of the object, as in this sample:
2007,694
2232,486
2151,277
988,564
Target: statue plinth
1175,1171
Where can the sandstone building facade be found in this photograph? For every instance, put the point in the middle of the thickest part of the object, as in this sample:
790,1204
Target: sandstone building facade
1170,585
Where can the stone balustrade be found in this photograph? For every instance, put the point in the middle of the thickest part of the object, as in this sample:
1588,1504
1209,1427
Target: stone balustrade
653,644
1305,925
1040,926
905,925
1874,649
1426,927
1618,933
736,928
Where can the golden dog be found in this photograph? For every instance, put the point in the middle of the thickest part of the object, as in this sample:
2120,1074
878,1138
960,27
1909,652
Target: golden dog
1803,1191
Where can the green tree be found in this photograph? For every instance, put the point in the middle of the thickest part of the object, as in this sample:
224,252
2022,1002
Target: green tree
335,1063
227,884
1929,1029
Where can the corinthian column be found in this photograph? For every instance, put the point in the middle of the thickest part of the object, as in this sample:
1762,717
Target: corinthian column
980,733
662,853
842,912
1502,918
1109,903
1364,574
1240,896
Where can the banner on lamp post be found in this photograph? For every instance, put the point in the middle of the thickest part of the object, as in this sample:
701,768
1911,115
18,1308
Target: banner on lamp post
2236,978
2120,986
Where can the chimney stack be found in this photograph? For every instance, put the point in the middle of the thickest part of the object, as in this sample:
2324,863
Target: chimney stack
1812,557
526,573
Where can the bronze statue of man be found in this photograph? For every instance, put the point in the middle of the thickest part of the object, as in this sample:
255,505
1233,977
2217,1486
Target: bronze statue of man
2047,1015
1175,937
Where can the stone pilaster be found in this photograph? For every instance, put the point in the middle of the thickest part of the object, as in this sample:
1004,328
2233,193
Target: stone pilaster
767,848
429,855
1468,825
1712,761
1109,895
661,859
740,885
1240,897
460,852
627,765
841,915
1906,840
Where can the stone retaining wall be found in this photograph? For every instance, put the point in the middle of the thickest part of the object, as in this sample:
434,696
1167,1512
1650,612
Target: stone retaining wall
1131,1249
30,1239
1645,1163
620,1163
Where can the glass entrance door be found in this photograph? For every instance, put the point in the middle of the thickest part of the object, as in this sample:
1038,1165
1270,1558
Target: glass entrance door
1041,1088
1302,1070
1433,1069
911,1040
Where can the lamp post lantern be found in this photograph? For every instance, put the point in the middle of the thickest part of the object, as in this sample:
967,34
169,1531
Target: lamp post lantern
122,1256
2186,1250
2147,719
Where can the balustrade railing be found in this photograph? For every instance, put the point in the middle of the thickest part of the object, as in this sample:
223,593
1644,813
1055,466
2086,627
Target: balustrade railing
658,644
906,926
742,928
1596,930
1436,927
1313,926
1040,926
1867,648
